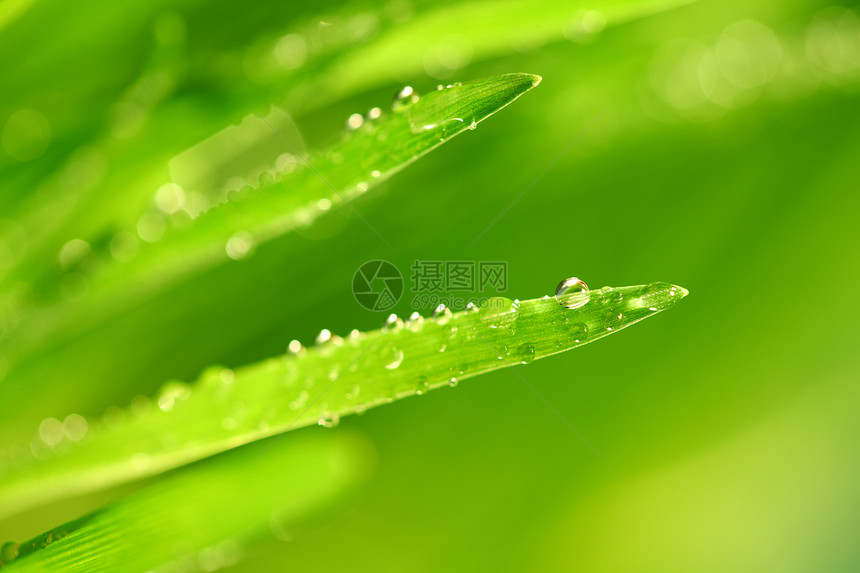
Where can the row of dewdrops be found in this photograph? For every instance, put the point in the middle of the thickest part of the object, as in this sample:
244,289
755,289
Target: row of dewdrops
175,205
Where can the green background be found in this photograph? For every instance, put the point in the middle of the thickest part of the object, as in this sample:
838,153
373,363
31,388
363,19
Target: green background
728,428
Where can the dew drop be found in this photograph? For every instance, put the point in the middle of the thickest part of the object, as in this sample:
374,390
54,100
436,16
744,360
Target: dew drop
151,227
572,293
114,417
394,358
500,313
453,381
51,431
75,427
503,351
354,121
9,552
295,347
375,173
423,386
374,113
471,307
526,353
140,405
404,99
579,331
415,322
612,319
329,420
239,245
442,314
392,323
172,393
72,252
300,401
324,336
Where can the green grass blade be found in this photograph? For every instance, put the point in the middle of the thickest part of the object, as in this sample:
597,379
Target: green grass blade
478,31
328,179
336,377
207,516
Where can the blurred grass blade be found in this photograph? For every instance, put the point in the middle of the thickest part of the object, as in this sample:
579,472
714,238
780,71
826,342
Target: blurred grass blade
436,39
207,516
370,153
474,31
319,385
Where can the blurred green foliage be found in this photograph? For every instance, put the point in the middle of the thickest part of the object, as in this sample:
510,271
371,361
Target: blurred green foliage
723,158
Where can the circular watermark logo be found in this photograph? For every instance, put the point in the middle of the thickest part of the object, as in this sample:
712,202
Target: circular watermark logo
377,285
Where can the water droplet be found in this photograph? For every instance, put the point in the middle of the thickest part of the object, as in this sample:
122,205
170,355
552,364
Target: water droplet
572,293
612,319
471,307
114,417
72,252
354,121
423,386
362,186
9,552
170,198
415,322
443,347
324,336
51,431
392,323
239,245
404,99
453,381
526,353
123,246
295,347
442,314
375,173
374,113
393,357
473,126
324,204
300,401
151,227
140,405
329,419
579,331
499,312
75,427
171,393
